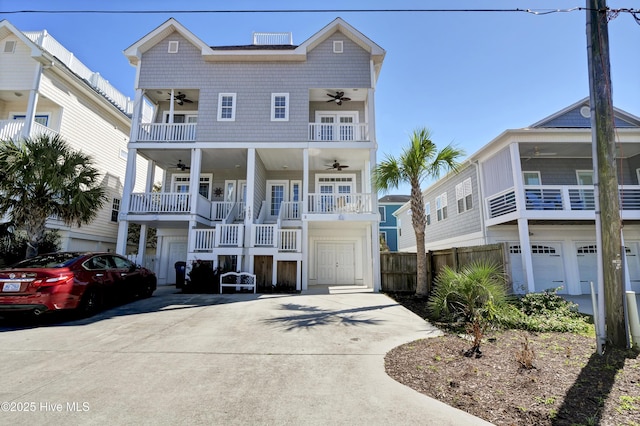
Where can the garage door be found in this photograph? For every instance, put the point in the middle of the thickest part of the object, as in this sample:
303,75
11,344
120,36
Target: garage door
548,268
588,266
336,263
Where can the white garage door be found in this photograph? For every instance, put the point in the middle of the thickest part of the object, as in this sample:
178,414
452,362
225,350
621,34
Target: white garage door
336,263
548,268
588,266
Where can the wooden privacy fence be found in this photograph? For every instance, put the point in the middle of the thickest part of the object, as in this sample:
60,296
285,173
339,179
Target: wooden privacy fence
398,270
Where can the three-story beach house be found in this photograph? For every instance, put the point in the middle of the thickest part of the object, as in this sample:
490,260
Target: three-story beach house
267,151
533,189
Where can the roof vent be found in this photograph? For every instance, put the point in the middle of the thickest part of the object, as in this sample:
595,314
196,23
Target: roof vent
271,39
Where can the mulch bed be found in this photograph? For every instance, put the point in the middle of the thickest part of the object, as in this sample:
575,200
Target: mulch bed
568,382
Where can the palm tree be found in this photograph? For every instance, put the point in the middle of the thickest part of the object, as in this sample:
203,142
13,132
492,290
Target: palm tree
42,177
420,161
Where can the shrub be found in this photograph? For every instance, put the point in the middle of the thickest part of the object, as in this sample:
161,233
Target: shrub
475,294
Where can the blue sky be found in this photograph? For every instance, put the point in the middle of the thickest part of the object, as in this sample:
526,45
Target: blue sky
466,76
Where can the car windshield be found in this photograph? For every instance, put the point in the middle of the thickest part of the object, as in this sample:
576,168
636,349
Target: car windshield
51,260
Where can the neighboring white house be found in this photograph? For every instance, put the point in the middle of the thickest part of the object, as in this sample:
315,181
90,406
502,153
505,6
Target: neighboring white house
44,88
533,189
267,131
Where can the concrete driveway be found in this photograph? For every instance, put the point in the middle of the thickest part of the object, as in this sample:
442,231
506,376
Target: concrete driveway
312,359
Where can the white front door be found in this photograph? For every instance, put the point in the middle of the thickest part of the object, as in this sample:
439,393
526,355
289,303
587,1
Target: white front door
337,126
276,193
336,263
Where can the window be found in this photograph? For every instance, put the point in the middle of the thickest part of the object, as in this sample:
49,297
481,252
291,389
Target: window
39,118
227,107
427,212
124,154
383,240
173,47
464,196
531,178
383,214
115,209
279,107
338,46
441,207
10,46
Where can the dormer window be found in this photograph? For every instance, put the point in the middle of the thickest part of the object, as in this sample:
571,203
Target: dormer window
173,47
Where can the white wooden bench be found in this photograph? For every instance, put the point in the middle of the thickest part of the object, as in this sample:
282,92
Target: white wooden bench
239,279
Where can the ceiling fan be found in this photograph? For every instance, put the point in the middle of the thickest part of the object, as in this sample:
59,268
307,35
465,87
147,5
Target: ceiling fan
537,153
180,98
182,166
338,98
336,166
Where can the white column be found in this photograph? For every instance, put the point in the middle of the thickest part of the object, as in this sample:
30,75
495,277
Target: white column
151,176
249,201
142,244
525,252
305,255
305,183
136,117
129,184
171,107
194,178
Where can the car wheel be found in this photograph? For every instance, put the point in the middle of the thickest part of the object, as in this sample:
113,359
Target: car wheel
91,303
147,289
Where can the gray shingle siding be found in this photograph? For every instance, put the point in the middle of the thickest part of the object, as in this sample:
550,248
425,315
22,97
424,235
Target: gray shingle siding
573,118
254,82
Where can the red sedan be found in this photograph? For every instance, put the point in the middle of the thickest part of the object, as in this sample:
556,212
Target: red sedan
69,280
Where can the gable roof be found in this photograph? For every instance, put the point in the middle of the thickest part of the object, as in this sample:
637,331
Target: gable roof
38,53
252,52
578,115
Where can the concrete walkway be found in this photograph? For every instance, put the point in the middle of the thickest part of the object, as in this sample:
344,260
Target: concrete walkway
310,359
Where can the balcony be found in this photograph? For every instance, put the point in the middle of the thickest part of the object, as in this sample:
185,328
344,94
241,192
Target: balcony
167,132
340,203
159,202
12,129
558,201
338,132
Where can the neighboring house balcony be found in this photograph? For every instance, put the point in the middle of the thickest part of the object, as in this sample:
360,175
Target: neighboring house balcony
13,129
557,202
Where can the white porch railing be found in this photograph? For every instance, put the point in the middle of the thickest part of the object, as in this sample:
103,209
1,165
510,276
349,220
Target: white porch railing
159,202
203,207
340,203
339,132
12,129
229,235
558,198
204,239
167,132
263,235
220,209
290,210
290,240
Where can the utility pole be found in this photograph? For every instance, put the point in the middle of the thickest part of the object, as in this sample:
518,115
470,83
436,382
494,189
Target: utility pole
606,180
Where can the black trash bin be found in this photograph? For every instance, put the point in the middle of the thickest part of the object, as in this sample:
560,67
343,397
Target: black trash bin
180,273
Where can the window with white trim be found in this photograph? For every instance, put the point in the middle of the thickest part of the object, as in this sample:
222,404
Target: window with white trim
173,47
464,196
531,178
383,214
279,107
9,46
39,118
427,212
226,107
115,209
441,207
338,46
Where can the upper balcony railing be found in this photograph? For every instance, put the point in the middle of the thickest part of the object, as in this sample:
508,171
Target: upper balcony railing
340,203
558,198
167,132
159,202
12,129
338,132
